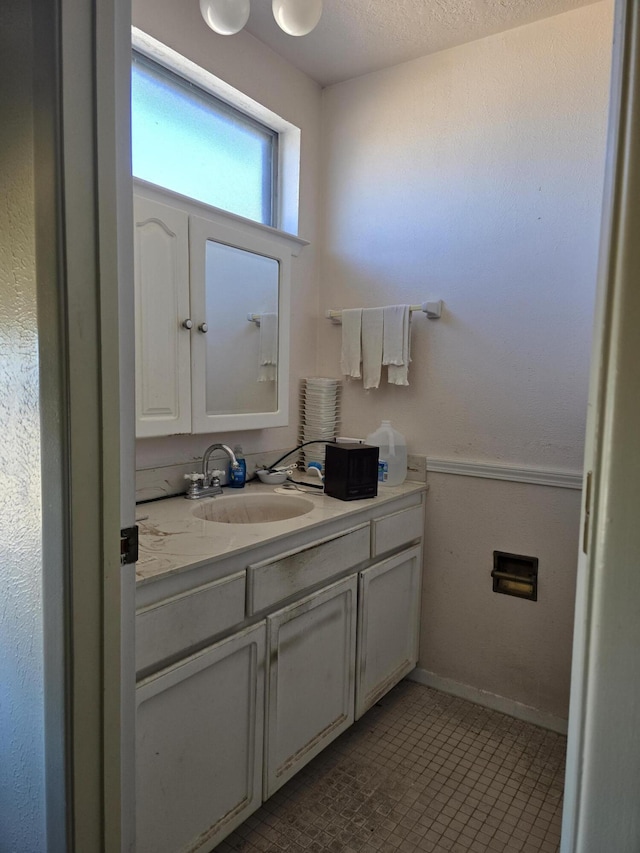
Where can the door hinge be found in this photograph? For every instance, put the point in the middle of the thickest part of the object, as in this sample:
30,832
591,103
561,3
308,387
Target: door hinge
587,513
129,545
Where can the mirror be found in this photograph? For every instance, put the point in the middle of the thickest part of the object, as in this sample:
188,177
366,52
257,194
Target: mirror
242,354
240,286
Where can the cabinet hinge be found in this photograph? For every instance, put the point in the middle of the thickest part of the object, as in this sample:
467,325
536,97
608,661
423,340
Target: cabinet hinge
587,513
129,545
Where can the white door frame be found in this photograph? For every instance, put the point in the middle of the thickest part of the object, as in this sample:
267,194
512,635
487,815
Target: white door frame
85,295
603,764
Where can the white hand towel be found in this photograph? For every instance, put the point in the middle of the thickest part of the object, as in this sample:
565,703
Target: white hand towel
268,348
372,326
351,349
397,343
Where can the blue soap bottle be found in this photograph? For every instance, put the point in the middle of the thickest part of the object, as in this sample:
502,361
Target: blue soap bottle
238,476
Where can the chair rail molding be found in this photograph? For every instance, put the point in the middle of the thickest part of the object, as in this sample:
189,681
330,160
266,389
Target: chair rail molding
512,473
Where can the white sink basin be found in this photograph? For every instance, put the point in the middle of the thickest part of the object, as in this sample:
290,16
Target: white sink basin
252,509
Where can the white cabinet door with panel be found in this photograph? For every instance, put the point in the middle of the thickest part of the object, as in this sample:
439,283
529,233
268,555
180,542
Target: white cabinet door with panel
199,746
310,700
388,625
162,345
239,380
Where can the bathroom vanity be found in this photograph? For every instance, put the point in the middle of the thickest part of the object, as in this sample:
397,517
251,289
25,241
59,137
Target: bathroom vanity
258,643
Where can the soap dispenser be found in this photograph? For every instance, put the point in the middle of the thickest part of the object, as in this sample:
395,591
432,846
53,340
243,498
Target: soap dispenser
238,476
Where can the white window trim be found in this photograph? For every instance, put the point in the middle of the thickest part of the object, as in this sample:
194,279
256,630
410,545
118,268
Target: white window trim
194,207
288,189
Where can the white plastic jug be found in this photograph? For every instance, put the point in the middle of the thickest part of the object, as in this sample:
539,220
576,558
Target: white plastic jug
392,466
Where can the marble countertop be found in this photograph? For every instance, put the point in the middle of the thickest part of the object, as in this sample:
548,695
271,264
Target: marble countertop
173,539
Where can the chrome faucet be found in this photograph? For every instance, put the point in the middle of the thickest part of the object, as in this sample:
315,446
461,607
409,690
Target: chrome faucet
205,485
206,477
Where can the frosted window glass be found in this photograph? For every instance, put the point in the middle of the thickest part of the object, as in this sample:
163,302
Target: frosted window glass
185,140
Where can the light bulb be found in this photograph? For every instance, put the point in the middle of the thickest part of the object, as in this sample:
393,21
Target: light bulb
297,17
225,16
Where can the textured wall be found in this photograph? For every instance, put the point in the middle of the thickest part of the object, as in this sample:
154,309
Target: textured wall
21,675
245,63
475,176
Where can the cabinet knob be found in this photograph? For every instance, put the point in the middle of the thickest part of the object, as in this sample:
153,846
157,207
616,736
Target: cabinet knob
204,328
188,324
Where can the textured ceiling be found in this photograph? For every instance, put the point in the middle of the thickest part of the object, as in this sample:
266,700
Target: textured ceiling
355,37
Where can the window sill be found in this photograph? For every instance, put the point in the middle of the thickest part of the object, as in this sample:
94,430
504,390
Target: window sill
292,241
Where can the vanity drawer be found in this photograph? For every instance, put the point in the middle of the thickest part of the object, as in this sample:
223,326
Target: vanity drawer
180,623
395,530
281,578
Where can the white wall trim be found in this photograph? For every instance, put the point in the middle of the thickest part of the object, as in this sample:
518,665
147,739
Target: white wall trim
489,700
218,215
512,473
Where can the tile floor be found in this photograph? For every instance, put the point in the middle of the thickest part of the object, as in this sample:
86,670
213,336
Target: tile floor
421,771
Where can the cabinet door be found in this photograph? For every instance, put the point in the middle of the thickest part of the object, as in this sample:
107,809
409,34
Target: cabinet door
236,274
311,679
162,343
388,625
199,746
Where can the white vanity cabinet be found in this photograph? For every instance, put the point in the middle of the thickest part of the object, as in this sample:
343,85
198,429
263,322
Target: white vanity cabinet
311,630
388,625
310,695
199,737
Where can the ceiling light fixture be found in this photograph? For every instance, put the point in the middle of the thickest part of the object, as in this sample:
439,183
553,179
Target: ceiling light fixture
295,17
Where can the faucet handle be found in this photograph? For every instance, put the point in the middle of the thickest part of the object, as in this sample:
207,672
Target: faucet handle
194,485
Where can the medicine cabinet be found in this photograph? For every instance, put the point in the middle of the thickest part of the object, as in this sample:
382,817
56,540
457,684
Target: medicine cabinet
212,305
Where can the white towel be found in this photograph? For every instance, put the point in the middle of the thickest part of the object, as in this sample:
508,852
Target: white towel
372,326
268,348
351,349
397,343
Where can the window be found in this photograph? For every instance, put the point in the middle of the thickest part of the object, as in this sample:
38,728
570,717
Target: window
186,140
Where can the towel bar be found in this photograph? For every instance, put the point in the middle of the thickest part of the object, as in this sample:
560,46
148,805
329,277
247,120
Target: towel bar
433,310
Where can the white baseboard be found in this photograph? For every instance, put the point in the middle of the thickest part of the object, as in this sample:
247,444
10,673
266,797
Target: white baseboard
489,700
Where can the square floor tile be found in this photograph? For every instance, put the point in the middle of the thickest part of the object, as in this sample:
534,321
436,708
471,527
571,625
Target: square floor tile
421,772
